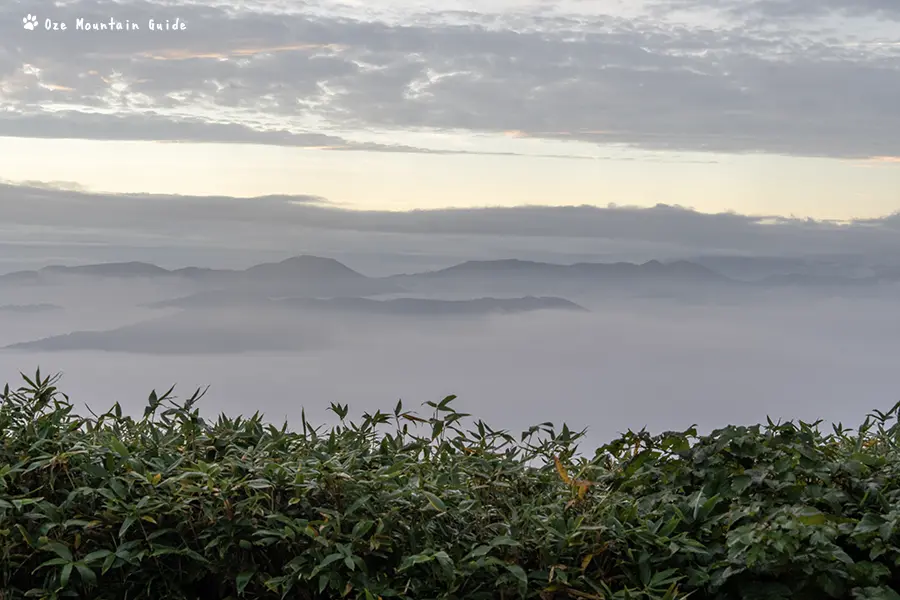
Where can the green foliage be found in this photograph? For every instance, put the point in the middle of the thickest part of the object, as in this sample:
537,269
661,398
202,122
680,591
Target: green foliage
172,506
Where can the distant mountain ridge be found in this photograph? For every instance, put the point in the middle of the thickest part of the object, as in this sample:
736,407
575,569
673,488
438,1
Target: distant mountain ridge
306,265
30,308
298,275
815,271
308,276
521,277
769,270
309,265
680,268
126,269
433,307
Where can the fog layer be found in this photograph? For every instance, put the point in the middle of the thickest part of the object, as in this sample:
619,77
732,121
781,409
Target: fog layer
635,357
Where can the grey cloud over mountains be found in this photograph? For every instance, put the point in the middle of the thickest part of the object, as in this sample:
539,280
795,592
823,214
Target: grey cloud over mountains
278,222
266,77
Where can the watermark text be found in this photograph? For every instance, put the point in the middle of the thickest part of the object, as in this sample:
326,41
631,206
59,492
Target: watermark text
32,22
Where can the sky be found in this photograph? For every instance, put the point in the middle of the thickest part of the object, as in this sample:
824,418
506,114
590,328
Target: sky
399,136
758,107
43,224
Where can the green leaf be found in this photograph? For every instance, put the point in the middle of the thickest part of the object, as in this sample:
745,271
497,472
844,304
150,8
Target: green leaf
242,579
868,524
478,552
87,575
126,525
328,560
444,559
740,483
108,563
503,540
876,593
95,556
52,563
841,556
259,484
60,549
519,574
119,447
362,528
810,516
65,575
435,501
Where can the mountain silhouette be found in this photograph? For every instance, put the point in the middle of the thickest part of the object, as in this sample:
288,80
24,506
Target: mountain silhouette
434,307
126,269
522,277
304,266
281,324
30,308
299,275
654,268
301,266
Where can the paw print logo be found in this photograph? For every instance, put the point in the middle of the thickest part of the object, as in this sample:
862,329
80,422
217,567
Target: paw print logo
29,22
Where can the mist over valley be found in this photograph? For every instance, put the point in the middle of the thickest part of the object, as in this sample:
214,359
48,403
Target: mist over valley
664,344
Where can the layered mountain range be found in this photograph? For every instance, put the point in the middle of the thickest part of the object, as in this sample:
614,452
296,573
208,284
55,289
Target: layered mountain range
254,308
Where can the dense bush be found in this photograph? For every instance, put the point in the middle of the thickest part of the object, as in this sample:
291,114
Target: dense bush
172,506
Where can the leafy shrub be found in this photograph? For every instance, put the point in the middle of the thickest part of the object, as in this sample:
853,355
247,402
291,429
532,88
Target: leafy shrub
172,506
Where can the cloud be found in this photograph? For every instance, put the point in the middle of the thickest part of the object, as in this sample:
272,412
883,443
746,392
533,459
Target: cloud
151,126
278,222
258,74
793,9
628,365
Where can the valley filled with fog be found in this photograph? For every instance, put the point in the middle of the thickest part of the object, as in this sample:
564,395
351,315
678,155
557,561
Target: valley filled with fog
605,346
